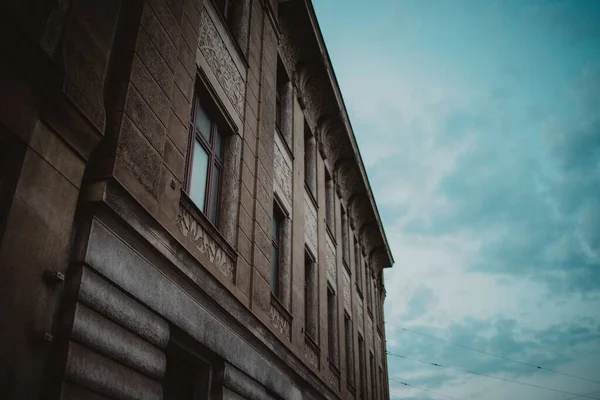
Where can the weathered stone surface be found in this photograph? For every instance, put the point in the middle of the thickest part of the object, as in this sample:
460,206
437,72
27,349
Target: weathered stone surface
107,338
137,154
109,301
105,376
145,119
282,168
347,292
331,263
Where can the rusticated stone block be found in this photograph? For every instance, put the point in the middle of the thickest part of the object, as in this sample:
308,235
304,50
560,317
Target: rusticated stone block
261,293
137,154
159,36
145,119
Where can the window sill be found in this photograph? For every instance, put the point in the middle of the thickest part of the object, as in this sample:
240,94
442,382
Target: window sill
359,292
346,266
284,142
208,226
331,236
311,342
312,197
275,302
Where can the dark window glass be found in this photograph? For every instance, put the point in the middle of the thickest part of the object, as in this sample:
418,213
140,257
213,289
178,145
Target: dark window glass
310,296
332,326
275,243
358,263
349,350
329,203
205,163
362,367
185,378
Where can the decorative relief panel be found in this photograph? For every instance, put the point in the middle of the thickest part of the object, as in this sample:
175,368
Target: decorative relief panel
311,355
370,331
280,322
220,61
378,348
282,169
330,259
206,245
334,378
359,314
347,293
310,223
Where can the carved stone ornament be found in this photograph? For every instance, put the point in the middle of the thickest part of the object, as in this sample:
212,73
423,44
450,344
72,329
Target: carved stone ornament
330,259
282,164
222,64
347,292
279,322
206,245
359,314
334,378
311,355
310,222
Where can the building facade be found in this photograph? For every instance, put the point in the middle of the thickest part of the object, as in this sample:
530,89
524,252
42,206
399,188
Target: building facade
184,213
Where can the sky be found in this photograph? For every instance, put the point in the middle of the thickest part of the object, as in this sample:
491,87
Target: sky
479,125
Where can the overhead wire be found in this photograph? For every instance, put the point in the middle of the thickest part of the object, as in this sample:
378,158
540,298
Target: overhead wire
539,367
491,376
422,389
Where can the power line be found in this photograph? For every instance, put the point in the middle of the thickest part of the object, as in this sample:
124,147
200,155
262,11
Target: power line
424,390
582,395
490,376
495,355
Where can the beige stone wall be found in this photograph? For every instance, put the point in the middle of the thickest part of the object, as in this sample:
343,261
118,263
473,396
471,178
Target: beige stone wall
103,120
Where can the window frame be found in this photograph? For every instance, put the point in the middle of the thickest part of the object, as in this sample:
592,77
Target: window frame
279,217
309,258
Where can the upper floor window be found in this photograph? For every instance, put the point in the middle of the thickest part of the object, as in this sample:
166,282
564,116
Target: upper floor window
359,266
362,367
278,219
311,311
283,104
345,239
329,203
232,12
349,349
205,161
310,160
332,331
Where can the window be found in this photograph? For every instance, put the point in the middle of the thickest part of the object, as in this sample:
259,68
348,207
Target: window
332,326
311,311
205,162
373,376
185,377
283,104
230,10
310,160
278,218
329,203
12,152
345,239
362,367
359,266
369,291
349,350
381,386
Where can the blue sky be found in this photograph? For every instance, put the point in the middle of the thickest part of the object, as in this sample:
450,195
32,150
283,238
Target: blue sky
479,124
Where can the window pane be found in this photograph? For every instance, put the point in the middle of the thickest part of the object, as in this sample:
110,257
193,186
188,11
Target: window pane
203,122
218,145
275,271
198,178
214,196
